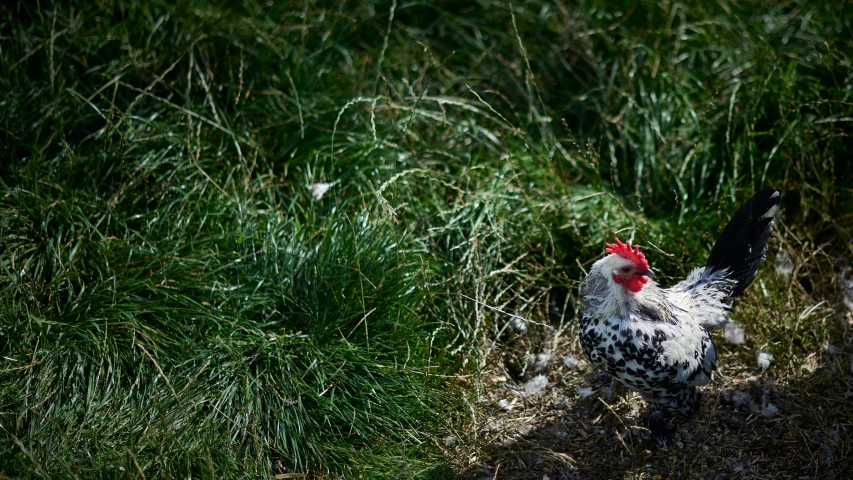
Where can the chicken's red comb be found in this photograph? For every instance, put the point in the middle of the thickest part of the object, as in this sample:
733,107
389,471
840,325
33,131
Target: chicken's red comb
625,250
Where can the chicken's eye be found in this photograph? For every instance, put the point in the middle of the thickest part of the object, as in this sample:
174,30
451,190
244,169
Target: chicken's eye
625,269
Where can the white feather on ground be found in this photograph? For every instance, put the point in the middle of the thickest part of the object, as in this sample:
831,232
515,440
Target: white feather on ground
533,386
571,362
539,362
734,333
846,286
769,410
319,189
741,398
784,264
764,360
585,391
517,324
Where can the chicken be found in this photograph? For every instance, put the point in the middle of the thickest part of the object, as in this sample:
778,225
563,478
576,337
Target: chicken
656,341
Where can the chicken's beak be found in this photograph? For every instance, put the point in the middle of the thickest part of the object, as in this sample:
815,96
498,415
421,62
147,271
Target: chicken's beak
647,272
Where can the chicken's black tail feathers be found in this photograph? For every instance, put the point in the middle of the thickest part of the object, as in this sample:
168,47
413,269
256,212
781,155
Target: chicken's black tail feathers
742,246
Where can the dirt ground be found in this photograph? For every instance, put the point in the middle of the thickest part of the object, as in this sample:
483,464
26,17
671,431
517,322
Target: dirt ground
783,423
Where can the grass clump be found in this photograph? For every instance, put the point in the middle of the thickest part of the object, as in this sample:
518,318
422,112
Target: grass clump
176,301
172,304
206,334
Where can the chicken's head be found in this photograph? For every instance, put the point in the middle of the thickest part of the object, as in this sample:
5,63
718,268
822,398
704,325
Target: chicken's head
627,265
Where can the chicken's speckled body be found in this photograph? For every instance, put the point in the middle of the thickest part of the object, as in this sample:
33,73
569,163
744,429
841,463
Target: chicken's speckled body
655,341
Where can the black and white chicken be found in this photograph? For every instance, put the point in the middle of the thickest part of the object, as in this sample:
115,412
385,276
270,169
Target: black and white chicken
656,341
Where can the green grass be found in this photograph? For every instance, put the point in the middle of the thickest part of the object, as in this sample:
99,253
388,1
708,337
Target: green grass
175,302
